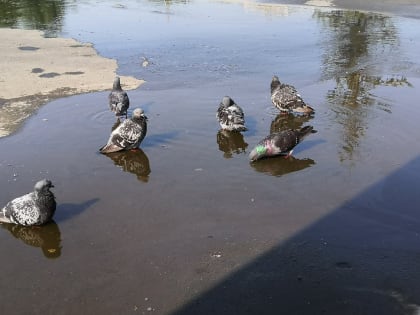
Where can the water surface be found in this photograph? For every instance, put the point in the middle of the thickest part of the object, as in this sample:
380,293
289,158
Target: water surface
187,224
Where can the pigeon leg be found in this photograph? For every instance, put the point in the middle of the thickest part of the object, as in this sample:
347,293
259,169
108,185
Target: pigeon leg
289,154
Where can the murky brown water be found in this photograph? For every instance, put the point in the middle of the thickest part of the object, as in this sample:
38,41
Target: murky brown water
187,223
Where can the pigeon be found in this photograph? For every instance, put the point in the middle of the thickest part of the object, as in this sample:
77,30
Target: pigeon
128,135
230,115
35,208
286,98
279,143
118,99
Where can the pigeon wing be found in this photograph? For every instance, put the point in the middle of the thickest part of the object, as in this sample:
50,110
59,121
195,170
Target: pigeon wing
22,210
285,140
287,97
119,102
126,136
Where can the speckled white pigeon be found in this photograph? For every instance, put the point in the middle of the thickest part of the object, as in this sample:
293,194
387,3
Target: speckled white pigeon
128,135
286,98
118,99
35,208
230,115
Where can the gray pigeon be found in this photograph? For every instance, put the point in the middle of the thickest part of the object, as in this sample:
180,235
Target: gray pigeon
128,135
230,115
286,98
280,143
118,99
35,208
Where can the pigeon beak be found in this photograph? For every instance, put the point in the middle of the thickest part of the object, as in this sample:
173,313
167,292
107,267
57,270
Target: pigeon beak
253,156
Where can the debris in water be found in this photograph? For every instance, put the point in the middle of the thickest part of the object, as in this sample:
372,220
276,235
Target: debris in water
145,62
216,255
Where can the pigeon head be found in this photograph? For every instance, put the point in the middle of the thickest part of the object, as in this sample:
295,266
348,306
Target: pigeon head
258,152
227,101
138,113
275,82
117,84
44,184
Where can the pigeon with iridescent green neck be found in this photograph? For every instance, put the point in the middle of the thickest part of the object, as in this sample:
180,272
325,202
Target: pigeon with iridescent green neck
280,143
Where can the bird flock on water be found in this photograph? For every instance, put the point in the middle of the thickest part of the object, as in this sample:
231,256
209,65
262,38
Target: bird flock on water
38,207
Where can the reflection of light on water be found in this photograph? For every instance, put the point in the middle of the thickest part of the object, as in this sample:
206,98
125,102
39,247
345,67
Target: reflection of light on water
352,45
269,9
320,3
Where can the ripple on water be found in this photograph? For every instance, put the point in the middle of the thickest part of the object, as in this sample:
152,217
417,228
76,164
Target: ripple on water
271,111
102,117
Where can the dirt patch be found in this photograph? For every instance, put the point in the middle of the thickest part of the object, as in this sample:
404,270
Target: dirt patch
69,67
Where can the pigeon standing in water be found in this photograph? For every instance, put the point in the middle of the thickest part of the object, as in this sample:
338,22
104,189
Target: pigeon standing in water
286,98
118,99
129,134
35,208
280,143
230,115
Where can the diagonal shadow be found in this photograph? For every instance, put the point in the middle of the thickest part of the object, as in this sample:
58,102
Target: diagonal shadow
363,258
67,211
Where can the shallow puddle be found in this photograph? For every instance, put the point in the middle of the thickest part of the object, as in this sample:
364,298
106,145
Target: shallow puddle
171,226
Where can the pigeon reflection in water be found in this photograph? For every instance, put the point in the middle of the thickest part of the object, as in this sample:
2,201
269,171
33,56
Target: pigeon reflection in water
231,142
47,237
288,121
135,162
280,166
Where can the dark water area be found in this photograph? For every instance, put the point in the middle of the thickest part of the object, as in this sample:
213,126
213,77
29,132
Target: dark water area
187,225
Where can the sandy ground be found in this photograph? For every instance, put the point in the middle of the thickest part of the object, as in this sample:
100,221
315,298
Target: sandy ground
35,69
